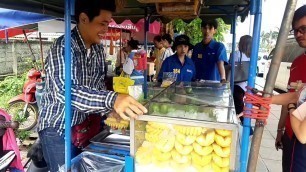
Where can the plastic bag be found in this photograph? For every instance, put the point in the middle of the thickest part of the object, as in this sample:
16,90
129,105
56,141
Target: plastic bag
128,66
300,112
302,96
88,161
168,78
121,84
136,91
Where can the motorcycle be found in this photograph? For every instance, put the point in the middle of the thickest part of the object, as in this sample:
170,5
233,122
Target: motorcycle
23,108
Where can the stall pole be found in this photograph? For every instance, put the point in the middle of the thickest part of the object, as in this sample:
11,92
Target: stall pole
41,53
120,47
233,51
6,36
68,6
146,29
251,80
129,164
271,77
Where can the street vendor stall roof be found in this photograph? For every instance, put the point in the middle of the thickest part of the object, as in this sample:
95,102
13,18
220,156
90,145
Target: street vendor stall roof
134,10
14,18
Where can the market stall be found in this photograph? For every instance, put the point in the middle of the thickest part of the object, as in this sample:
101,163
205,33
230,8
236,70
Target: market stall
228,10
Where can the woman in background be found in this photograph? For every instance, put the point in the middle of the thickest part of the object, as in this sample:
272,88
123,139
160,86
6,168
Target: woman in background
243,53
179,63
157,54
121,56
129,66
167,41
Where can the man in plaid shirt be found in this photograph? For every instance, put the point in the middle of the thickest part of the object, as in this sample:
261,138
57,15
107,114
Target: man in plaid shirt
88,72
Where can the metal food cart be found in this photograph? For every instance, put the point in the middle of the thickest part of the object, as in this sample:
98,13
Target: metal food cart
183,130
228,10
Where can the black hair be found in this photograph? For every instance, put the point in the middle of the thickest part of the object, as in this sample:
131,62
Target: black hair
245,45
133,43
210,23
167,37
298,14
157,38
92,8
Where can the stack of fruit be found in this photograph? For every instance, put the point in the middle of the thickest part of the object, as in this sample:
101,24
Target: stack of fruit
117,124
183,147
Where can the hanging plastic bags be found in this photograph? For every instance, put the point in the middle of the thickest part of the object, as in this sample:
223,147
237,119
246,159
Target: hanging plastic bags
121,83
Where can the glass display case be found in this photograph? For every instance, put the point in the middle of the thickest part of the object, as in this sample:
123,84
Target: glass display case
189,127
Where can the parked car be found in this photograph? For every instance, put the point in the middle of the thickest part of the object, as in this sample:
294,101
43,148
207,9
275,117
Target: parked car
261,63
292,50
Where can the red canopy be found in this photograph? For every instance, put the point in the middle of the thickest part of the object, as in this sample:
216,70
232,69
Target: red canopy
13,32
136,29
129,25
113,31
126,25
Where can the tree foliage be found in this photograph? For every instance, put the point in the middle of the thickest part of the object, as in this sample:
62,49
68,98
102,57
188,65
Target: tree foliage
268,40
194,31
11,86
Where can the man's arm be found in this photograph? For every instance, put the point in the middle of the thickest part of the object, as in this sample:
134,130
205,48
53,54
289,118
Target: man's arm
193,58
222,57
283,117
162,70
221,69
285,98
280,128
83,98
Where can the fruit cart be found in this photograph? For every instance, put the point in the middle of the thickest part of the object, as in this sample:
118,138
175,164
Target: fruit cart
187,128
228,10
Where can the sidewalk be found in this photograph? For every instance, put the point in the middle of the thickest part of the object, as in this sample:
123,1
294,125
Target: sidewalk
269,158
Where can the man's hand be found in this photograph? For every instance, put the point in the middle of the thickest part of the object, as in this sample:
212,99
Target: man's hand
113,114
127,107
222,81
278,140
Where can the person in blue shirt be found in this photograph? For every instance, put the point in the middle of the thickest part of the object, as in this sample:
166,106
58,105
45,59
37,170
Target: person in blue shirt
209,55
179,63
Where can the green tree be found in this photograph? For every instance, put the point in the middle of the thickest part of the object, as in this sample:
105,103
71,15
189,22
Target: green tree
194,31
268,39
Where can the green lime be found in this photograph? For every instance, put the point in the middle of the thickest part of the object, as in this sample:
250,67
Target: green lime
191,109
164,109
171,109
154,107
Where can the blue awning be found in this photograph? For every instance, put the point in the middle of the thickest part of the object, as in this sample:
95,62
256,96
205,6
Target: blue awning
13,18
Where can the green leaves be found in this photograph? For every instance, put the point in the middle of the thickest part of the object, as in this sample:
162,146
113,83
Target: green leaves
268,40
194,31
10,87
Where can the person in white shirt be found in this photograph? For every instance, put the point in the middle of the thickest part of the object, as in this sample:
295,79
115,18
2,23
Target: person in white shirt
167,41
243,53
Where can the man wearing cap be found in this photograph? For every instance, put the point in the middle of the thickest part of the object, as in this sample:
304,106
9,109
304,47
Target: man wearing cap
209,55
179,63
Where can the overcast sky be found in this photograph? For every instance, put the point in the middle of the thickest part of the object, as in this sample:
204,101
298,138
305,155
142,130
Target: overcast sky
272,14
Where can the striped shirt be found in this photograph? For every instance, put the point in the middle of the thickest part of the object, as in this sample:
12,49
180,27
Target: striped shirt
88,94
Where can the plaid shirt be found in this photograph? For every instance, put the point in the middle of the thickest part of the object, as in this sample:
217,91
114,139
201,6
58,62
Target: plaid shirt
88,94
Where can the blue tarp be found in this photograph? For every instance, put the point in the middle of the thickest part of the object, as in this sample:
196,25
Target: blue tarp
13,18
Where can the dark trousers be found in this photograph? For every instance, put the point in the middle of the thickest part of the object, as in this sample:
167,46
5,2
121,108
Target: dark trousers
239,104
238,98
54,149
298,163
287,152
